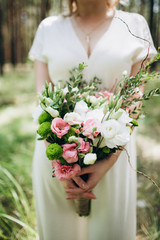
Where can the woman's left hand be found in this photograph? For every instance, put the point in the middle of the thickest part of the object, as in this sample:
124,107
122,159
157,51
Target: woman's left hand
95,172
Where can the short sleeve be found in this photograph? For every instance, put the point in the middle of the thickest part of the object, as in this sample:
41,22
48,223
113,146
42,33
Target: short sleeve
37,50
144,47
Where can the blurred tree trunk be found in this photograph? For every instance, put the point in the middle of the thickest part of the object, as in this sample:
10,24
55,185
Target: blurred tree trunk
1,41
142,7
12,30
151,15
43,9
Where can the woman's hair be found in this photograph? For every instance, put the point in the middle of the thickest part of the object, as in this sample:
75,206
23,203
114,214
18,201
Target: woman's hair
72,4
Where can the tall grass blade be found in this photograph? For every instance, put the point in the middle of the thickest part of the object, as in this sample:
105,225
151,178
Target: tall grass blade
23,197
24,225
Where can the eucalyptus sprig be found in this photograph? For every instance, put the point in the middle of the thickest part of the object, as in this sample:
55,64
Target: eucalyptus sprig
128,85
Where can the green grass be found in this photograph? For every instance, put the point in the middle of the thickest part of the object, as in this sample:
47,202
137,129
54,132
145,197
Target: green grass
17,137
148,149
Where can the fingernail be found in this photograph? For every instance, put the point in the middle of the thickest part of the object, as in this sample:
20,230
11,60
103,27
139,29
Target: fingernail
84,186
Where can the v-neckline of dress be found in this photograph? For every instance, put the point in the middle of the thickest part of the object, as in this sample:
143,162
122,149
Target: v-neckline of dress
98,41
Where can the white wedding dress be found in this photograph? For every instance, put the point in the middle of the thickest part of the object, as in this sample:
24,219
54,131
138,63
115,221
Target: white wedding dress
113,213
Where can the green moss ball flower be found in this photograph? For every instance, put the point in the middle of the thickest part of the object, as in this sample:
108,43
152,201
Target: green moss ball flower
54,151
44,129
44,117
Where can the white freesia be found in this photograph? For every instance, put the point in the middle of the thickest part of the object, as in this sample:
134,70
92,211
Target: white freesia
37,113
81,108
72,118
114,133
90,158
54,113
95,114
121,115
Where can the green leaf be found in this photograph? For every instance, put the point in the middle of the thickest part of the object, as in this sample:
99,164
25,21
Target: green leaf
106,149
134,122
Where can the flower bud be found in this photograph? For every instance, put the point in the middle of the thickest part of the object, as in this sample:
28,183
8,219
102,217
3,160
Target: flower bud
105,108
48,101
119,104
111,102
50,89
54,113
73,139
41,98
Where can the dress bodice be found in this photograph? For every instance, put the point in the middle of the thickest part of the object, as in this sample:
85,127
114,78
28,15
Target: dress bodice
57,44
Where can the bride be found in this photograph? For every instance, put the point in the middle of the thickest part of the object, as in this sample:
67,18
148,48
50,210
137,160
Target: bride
95,33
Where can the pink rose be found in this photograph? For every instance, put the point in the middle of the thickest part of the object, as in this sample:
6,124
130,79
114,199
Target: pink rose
59,127
105,94
91,128
63,172
85,147
70,153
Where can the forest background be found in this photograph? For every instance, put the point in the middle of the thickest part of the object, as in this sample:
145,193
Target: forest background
18,23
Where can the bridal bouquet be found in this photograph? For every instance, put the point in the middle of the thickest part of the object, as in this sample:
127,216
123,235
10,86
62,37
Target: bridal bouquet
83,124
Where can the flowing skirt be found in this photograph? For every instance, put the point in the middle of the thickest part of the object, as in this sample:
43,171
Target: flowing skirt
113,213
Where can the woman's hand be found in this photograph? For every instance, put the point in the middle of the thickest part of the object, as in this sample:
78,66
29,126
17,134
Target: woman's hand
70,184
95,173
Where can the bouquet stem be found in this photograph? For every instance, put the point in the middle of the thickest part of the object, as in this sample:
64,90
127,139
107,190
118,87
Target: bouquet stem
82,206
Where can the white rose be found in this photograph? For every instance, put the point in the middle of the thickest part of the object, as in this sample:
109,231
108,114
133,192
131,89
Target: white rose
37,113
121,115
90,158
54,113
114,133
72,118
81,108
95,114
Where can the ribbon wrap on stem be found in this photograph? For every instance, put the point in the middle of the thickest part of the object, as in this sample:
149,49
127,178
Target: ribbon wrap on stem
83,205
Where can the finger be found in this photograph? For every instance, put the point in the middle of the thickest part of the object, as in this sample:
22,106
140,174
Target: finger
84,195
74,191
89,195
85,171
81,183
92,182
68,184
